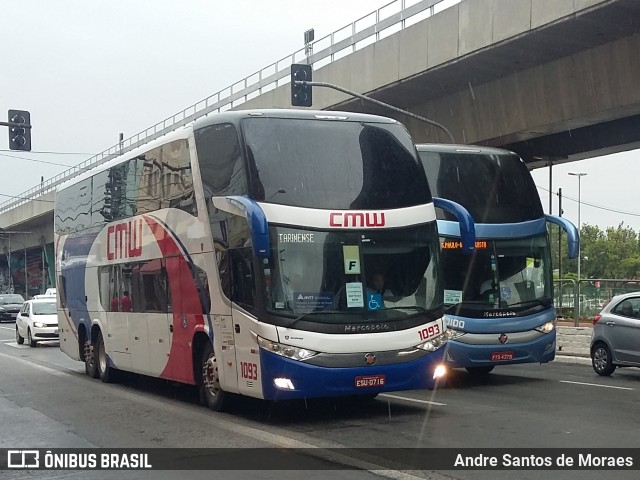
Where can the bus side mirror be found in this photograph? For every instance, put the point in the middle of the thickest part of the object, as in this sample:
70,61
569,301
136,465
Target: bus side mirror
573,236
465,220
244,206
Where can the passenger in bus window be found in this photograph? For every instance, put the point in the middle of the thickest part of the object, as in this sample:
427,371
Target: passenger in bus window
377,283
115,304
125,301
376,291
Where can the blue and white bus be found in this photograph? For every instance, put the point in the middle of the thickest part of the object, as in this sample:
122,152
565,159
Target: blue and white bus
500,299
276,254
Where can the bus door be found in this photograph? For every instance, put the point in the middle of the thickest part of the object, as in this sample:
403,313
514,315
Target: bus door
155,294
148,327
117,342
243,296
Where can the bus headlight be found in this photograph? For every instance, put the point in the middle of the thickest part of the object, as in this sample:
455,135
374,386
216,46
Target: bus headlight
440,371
547,327
288,351
434,343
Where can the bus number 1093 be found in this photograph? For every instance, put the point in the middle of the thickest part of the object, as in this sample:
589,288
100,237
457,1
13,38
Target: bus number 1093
431,331
249,370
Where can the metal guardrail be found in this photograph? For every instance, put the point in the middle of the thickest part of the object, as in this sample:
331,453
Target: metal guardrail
586,298
386,20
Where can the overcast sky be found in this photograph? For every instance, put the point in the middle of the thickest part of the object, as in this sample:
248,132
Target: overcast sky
87,70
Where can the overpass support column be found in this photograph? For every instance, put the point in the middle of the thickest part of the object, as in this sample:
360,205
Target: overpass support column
49,255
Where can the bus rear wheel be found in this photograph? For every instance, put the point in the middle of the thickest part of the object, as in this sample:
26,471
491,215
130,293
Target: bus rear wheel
90,365
210,392
105,371
480,371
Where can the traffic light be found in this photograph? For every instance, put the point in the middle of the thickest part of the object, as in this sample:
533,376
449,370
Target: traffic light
300,93
19,136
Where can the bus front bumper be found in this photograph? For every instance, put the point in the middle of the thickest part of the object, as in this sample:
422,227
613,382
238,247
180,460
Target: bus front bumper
286,379
472,350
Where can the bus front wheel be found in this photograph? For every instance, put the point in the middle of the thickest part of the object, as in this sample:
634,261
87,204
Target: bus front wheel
480,371
210,392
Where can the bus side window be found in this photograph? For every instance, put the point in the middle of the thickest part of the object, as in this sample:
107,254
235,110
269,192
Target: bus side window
62,288
241,257
243,290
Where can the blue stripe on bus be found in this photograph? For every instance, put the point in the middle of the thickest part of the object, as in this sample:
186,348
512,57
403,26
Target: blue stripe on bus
75,253
540,350
311,381
490,231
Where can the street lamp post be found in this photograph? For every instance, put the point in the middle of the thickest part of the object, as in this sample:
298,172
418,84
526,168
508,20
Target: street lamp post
579,175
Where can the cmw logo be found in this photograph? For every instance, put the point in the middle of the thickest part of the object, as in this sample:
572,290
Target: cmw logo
356,219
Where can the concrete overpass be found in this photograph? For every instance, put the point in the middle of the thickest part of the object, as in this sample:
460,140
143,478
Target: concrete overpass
553,80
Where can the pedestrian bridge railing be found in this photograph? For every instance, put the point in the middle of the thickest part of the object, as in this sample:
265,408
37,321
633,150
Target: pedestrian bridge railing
380,23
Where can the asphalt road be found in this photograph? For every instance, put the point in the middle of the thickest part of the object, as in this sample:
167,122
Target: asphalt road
46,401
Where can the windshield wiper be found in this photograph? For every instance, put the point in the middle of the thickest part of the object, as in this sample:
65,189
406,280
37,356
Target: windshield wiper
536,301
351,312
330,312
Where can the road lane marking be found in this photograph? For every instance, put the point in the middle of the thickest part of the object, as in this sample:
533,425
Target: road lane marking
595,385
326,449
9,328
409,399
37,366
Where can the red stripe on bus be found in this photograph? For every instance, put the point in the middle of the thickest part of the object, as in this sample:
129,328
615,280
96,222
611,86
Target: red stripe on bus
187,310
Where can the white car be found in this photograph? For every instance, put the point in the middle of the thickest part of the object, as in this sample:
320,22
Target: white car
37,321
50,293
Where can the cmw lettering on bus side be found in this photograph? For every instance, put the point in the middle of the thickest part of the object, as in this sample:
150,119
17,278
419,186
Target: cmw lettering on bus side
124,240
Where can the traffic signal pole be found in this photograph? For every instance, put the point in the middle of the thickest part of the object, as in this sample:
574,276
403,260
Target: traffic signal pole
13,124
304,83
19,130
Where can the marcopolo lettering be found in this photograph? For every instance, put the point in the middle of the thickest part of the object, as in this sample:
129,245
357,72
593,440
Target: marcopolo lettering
124,240
366,328
356,219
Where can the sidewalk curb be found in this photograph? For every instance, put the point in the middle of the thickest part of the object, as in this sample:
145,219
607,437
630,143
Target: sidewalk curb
572,359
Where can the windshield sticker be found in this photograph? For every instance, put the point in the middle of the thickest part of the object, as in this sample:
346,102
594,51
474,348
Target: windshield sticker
505,293
279,305
452,297
374,301
312,300
355,297
296,238
351,259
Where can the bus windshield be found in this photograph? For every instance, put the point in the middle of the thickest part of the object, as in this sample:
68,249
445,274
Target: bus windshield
513,274
508,194
339,276
333,164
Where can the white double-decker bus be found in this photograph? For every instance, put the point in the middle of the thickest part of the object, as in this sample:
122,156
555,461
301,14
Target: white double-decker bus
277,254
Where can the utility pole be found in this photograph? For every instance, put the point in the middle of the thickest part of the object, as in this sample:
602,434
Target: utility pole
579,175
560,234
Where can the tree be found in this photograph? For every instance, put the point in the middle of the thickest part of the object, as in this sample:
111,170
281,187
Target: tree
610,253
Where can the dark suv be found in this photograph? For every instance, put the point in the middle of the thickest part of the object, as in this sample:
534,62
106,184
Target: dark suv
10,305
